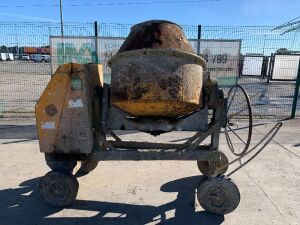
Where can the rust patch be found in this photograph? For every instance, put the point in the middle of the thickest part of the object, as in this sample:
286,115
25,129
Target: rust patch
51,110
119,93
137,80
138,93
156,34
174,86
163,84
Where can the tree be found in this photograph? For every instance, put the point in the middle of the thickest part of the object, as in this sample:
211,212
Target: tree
3,49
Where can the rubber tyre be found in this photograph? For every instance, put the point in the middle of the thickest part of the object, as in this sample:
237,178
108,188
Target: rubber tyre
56,164
213,94
59,189
87,166
211,168
218,195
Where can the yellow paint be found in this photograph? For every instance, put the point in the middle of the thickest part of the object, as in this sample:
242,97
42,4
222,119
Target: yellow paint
161,108
166,105
100,74
59,94
54,93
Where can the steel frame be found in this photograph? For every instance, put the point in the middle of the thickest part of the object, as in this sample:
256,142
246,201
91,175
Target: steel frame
131,150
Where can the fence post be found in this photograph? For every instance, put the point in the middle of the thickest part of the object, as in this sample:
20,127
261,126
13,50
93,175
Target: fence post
271,64
96,40
296,93
199,37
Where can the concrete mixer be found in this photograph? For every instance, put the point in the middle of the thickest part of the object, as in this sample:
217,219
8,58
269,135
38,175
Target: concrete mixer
158,85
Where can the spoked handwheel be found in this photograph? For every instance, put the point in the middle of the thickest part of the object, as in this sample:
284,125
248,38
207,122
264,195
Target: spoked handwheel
238,130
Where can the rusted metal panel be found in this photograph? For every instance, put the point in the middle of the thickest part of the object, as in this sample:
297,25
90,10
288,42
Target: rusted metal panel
156,82
203,153
156,154
153,145
156,73
66,107
119,120
75,128
49,108
155,34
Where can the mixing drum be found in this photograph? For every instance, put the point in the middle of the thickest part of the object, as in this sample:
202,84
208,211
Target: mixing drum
156,73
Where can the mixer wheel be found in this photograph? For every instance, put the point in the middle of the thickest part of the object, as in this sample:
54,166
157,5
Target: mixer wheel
55,163
213,168
59,189
87,166
218,195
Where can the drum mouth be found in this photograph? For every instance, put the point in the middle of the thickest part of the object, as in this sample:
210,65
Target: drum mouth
150,22
160,34
167,52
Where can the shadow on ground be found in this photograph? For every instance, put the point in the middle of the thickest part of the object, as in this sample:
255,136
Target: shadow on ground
24,206
25,132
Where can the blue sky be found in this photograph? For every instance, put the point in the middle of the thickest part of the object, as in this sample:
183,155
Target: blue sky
206,12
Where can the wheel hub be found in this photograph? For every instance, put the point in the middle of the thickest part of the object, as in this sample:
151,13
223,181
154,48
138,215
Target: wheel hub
218,196
57,190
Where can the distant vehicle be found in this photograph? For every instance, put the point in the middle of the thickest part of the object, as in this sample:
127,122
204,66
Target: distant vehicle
36,58
40,58
25,57
9,56
46,58
3,57
282,51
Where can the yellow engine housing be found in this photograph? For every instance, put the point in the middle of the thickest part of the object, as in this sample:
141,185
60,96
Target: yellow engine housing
65,111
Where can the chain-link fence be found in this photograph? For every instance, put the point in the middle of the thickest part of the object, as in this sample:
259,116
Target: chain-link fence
22,80
267,73
269,97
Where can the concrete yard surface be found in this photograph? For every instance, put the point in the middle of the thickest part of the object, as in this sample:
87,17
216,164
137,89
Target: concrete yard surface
150,192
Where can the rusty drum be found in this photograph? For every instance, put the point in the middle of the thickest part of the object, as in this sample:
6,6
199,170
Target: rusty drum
156,73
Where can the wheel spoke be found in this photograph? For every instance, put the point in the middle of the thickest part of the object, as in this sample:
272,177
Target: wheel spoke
237,113
229,141
231,99
236,135
249,98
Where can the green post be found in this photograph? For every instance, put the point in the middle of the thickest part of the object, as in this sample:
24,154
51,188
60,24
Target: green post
96,41
296,93
199,37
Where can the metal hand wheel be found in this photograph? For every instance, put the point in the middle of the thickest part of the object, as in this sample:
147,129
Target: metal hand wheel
238,130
